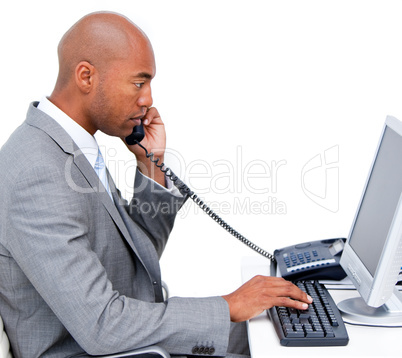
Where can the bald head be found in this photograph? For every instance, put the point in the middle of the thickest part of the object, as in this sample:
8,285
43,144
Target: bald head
106,64
98,38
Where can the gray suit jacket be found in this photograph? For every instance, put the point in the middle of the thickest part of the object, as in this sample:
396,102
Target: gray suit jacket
79,273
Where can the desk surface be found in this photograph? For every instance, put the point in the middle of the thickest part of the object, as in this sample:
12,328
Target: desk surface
363,341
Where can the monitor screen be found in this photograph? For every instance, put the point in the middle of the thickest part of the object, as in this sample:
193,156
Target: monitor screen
379,202
373,252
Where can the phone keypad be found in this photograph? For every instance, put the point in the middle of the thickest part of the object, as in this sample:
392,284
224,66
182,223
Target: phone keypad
296,261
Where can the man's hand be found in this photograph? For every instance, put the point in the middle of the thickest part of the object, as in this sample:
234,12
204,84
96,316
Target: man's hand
155,142
261,293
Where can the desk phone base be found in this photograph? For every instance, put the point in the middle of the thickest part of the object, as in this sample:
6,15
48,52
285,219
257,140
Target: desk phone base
320,325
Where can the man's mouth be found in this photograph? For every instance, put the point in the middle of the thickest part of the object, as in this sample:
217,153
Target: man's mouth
136,120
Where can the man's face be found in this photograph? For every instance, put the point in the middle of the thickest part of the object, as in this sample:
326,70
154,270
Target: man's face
123,92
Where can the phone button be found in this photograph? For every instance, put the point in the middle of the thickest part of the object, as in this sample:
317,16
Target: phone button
302,246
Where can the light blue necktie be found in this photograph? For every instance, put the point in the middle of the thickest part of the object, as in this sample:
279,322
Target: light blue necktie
100,169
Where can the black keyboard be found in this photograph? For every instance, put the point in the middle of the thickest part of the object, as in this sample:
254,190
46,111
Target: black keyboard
320,325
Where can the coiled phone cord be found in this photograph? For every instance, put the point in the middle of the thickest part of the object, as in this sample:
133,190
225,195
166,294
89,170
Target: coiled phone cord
185,190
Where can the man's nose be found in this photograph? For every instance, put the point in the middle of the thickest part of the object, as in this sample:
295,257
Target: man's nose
145,99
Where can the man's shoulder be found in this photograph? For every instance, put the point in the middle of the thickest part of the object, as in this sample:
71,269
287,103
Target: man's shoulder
37,134
35,143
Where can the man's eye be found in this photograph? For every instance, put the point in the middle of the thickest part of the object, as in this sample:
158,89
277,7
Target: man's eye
139,85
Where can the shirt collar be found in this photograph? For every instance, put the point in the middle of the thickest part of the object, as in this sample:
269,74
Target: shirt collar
84,140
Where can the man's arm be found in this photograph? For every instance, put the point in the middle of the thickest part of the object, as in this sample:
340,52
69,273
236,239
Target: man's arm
51,238
154,208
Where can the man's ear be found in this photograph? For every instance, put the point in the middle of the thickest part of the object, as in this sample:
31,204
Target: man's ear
84,76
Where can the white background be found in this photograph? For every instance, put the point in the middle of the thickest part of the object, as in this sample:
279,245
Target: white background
239,83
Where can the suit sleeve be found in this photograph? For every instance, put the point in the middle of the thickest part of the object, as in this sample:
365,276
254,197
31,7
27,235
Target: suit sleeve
154,208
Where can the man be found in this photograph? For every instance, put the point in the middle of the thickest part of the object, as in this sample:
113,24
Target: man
79,268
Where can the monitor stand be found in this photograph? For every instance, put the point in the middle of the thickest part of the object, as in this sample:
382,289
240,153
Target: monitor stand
356,311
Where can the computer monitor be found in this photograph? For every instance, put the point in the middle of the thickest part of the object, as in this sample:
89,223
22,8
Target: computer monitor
372,256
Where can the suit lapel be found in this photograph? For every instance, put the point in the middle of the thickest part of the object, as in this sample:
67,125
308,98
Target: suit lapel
47,124
93,180
119,215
